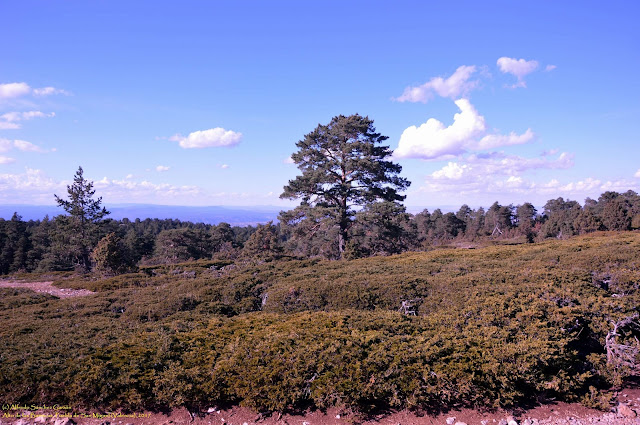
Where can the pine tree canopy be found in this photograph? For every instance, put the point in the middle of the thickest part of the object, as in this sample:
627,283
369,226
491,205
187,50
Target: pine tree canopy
344,166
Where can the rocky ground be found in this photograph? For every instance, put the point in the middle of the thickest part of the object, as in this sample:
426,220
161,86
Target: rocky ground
553,414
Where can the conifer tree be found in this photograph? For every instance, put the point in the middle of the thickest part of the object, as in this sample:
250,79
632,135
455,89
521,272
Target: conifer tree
343,166
81,223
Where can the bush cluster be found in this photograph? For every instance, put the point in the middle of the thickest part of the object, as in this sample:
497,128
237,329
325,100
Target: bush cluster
493,327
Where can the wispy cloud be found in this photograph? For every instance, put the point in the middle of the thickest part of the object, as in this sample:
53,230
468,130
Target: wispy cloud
214,137
48,91
518,67
468,132
22,145
13,90
162,168
10,120
550,68
637,174
458,84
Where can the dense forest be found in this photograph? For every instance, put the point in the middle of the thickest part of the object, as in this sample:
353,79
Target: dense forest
379,229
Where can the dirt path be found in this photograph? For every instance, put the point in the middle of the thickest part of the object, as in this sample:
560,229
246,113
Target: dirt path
46,287
553,414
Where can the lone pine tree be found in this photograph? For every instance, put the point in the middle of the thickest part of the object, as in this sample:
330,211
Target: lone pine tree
344,167
80,225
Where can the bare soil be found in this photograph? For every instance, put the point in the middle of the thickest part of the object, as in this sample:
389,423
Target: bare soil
46,287
551,414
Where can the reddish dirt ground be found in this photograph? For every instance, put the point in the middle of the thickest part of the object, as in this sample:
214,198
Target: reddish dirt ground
552,414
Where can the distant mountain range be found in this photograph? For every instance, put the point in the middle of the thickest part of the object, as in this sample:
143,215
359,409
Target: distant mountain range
236,216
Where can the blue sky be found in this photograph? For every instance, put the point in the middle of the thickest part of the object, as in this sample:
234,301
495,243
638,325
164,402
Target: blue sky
201,103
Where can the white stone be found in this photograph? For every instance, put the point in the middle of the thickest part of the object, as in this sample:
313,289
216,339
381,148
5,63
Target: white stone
451,420
460,423
337,416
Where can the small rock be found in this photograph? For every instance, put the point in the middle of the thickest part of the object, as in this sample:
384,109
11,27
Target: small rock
305,423
503,422
625,410
484,422
460,423
526,422
245,423
451,420
337,416
511,421
211,410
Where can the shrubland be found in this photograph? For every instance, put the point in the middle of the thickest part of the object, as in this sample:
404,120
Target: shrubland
496,326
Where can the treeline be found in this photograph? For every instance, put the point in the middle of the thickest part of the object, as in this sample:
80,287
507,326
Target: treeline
378,229
48,245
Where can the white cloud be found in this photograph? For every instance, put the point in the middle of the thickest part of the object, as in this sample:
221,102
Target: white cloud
288,160
47,91
518,67
478,178
162,168
224,166
9,120
25,146
550,68
479,168
6,160
432,140
456,85
637,174
214,137
11,90
491,141
5,145
4,125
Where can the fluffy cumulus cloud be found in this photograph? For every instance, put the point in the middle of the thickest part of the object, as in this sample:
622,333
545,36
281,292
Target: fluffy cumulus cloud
458,84
13,90
214,137
518,67
32,186
468,132
475,168
509,177
162,168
